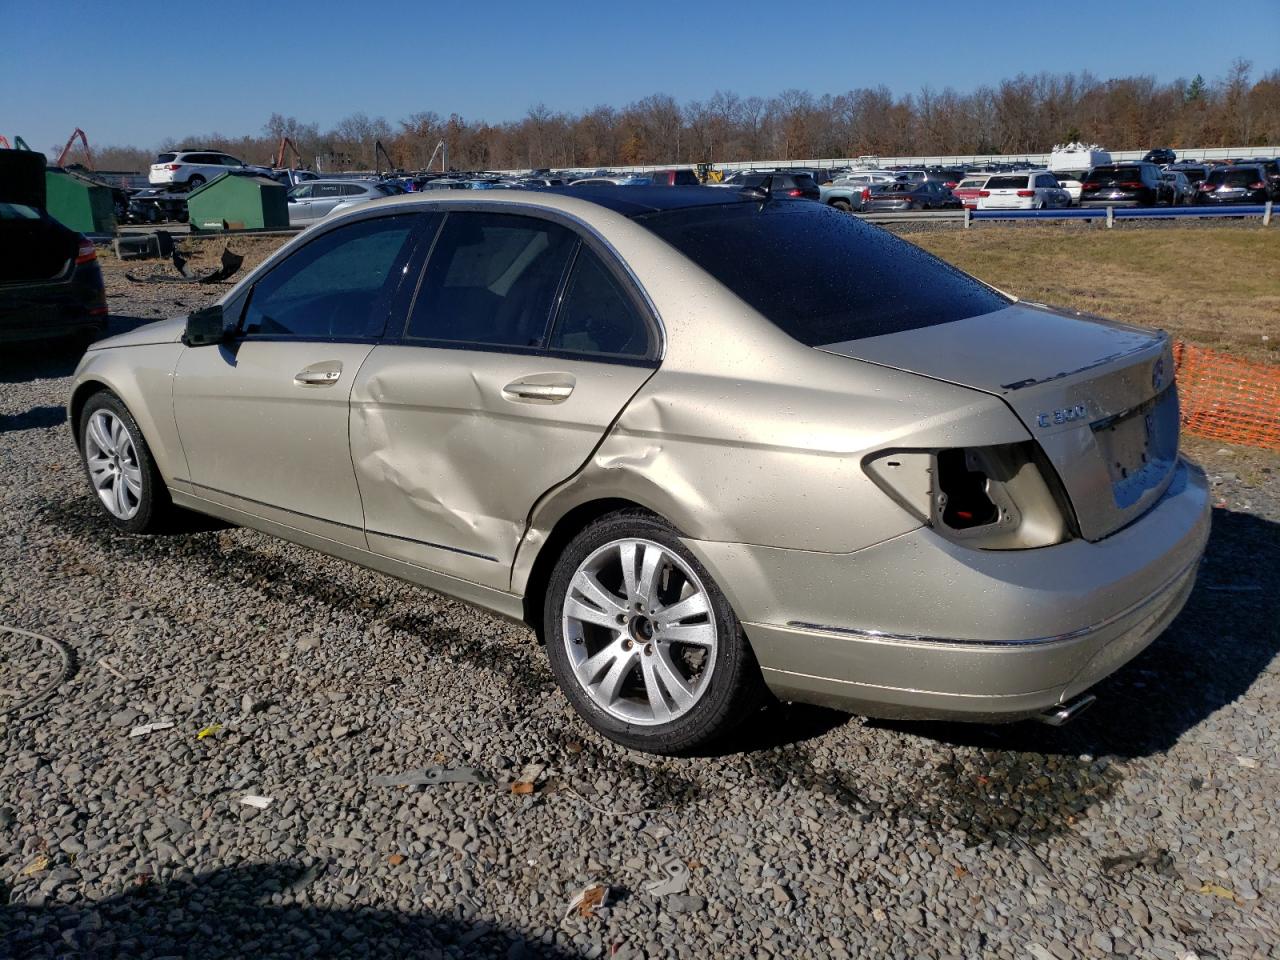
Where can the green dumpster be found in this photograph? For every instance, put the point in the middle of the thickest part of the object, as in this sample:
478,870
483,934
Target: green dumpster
79,203
233,202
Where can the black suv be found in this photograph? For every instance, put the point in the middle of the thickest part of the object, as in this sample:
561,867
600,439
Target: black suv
1125,185
800,186
1161,156
1244,183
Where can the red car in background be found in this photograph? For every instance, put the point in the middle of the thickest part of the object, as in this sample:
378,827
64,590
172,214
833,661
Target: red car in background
966,191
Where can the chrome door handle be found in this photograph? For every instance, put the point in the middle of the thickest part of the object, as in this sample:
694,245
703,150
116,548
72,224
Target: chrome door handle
539,390
319,374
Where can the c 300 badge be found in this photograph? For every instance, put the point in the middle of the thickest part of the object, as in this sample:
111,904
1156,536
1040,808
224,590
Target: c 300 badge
1058,417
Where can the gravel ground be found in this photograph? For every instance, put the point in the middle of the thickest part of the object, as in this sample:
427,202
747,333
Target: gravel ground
1149,827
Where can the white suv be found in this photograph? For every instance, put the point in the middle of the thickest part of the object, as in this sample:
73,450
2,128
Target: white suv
1027,190
191,168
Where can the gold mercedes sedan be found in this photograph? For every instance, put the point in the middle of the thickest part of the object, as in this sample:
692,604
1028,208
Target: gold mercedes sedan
711,445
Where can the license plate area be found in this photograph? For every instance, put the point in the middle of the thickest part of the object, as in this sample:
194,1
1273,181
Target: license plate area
1139,446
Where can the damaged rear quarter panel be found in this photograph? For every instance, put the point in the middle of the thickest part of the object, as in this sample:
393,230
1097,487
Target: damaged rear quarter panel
774,460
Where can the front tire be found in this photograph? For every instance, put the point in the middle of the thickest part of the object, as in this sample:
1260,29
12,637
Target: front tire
119,466
641,640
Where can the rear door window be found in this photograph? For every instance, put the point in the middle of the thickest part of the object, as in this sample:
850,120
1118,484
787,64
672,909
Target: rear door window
491,280
335,287
596,316
819,275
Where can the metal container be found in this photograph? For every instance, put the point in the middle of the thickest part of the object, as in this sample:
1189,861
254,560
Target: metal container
79,203
233,202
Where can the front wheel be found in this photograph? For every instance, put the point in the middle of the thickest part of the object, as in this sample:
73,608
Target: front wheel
642,641
119,466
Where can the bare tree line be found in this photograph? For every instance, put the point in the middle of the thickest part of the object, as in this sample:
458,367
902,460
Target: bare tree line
1025,114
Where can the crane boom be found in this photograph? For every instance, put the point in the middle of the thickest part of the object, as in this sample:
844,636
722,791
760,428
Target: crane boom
77,132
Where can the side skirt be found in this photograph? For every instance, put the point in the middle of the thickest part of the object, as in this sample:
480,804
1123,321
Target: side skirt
504,604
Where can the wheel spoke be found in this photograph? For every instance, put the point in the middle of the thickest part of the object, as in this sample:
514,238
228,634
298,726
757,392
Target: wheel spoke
611,685
118,435
99,471
98,434
589,587
650,565
121,498
698,634
675,684
690,606
577,610
591,668
627,554
653,690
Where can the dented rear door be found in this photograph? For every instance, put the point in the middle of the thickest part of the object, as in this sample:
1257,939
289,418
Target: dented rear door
520,348
453,447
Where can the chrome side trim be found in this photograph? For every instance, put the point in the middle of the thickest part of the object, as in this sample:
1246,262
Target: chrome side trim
877,635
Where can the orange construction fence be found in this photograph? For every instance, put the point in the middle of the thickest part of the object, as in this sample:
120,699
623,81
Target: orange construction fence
1226,398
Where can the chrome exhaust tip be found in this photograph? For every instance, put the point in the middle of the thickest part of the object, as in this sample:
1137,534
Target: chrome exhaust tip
1063,713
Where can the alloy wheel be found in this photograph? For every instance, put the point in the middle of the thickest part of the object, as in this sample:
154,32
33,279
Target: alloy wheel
640,632
113,464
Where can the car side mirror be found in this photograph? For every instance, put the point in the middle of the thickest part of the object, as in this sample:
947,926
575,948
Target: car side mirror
205,327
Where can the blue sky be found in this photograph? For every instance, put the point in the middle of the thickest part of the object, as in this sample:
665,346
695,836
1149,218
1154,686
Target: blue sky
226,66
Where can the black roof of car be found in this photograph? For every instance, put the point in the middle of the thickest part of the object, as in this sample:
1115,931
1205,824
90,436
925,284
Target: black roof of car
640,200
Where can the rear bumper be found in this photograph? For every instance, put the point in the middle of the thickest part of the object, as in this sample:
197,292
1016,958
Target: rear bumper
42,312
917,627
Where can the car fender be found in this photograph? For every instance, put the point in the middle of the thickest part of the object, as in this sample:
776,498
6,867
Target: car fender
142,377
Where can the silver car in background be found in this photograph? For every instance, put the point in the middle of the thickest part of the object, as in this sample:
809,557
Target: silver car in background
709,446
316,199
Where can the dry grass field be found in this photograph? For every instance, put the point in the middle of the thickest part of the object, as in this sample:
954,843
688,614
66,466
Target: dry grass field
1218,286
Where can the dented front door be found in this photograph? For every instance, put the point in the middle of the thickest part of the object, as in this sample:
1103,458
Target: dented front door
453,447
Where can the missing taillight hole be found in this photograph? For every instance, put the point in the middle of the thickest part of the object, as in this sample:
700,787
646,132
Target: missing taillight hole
966,504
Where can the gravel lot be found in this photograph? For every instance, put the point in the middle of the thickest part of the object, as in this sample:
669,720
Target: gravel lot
1150,827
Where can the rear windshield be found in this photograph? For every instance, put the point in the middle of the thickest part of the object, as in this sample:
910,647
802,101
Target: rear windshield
18,211
970,184
1234,178
820,275
1006,183
1114,174
166,158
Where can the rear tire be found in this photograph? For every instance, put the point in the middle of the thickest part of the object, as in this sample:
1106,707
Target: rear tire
842,205
120,468
195,181
666,686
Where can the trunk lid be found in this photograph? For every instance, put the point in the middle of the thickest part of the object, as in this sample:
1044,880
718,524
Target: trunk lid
1097,396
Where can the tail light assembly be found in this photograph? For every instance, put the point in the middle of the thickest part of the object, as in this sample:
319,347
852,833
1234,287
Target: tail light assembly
1207,187
86,253
1090,186
1026,193
173,166
793,192
984,193
1130,185
866,194
1005,497
1259,185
